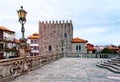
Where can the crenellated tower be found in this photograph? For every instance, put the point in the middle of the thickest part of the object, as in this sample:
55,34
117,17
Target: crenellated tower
55,37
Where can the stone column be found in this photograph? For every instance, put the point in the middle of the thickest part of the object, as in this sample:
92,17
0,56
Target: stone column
23,52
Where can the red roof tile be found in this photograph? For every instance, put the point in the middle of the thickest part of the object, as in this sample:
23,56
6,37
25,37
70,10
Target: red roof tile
17,41
91,48
34,36
5,29
113,48
79,40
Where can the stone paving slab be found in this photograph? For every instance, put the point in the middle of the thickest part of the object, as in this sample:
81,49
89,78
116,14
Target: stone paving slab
70,70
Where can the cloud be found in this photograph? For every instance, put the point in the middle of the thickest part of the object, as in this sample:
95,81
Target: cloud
95,20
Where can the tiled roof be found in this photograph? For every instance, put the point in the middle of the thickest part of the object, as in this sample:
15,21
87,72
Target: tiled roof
113,48
17,41
79,40
89,44
34,36
91,48
5,29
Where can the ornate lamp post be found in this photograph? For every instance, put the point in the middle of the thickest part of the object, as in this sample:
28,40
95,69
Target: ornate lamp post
23,46
22,19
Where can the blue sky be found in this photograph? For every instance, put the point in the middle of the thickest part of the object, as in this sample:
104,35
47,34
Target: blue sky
97,21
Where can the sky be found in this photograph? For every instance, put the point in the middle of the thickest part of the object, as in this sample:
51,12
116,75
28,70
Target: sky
97,21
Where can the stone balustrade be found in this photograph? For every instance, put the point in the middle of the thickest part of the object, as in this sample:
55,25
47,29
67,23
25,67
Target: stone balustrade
12,68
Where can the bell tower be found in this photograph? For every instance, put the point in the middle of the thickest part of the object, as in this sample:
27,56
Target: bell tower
55,37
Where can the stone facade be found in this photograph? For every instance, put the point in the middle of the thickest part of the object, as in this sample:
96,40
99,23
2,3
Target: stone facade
55,37
79,47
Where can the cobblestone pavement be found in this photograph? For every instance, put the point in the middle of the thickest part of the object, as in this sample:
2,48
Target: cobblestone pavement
70,70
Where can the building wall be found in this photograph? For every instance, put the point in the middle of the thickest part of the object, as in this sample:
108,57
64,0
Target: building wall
34,46
81,48
8,45
54,36
90,52
1,35
8,36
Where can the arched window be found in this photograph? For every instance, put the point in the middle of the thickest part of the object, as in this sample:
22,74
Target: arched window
50,48
79,47
65,35
76,47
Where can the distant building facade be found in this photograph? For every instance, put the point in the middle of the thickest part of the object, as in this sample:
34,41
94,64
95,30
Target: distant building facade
55,37
8,44
91,48
113,49
79,47
33,41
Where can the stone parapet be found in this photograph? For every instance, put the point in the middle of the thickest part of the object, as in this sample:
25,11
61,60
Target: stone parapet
12,68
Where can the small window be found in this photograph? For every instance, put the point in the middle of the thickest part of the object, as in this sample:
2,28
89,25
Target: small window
35,41
76,47
79,47
50,48
54,31
65,35
31,41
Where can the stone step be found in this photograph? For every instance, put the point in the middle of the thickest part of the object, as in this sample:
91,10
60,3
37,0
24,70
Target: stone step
114,70
115,67
108,67
115,59
112,64
118,64
104,64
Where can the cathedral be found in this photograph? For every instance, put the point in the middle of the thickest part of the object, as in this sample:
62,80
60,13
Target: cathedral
55,37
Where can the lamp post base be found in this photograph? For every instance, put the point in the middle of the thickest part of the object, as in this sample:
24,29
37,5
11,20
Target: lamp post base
23,52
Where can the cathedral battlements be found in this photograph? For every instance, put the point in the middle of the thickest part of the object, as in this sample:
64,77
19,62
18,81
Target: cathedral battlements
56,22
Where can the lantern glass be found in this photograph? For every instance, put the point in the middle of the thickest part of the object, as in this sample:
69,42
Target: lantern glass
22,14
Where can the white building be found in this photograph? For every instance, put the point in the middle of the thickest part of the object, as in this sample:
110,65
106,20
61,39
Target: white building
8,44
79,47
33,41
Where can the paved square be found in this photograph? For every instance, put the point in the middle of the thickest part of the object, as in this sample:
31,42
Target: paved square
70,70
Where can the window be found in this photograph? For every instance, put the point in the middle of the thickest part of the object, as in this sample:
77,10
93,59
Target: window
50,48
31,47
35,41
31,41
65,35
1,46
76,47
36,48
79,47
54,31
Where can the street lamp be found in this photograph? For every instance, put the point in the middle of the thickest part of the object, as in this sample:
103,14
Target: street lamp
22,19
23,46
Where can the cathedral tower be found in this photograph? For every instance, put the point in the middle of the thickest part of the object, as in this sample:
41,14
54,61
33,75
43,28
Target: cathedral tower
55,37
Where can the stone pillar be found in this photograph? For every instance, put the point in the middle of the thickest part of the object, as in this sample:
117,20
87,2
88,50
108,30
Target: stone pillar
23,53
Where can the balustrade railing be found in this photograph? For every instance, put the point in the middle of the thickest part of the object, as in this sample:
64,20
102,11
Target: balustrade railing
12,68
